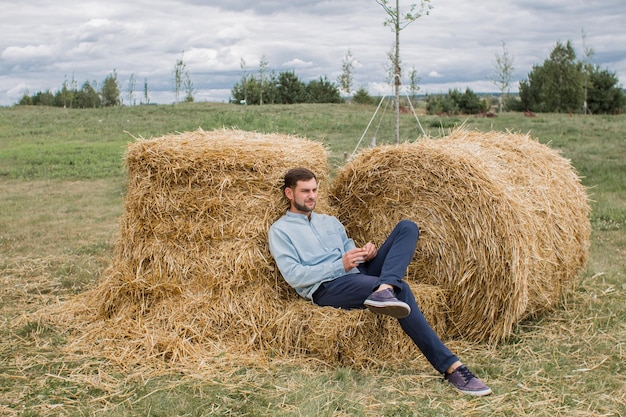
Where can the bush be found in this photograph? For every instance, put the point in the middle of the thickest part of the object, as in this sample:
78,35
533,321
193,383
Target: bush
322,91
362,97
456,102
513,103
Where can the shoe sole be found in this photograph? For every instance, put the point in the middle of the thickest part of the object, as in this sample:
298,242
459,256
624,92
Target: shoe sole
398,310
481,393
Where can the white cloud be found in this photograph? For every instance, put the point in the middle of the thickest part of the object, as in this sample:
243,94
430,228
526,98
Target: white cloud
196,56
232,33
297,63
28,53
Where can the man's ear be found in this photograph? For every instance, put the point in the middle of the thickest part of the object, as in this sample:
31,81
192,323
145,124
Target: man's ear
289,193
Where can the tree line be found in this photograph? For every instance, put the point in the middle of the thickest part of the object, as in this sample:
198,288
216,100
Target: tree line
563,83
109,94
69,95
269,87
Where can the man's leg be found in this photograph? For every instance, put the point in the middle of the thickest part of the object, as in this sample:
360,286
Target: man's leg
347,292
418,329
394,255
390,264
350,291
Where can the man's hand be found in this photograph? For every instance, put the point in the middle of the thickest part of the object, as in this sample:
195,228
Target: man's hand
357,256
370,250
353,258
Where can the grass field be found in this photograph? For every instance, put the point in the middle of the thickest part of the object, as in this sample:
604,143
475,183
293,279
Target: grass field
61,193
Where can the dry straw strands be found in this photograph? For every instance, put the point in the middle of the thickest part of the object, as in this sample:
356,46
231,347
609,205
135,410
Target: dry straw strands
504,229
198,208
192,279
501,235
547,186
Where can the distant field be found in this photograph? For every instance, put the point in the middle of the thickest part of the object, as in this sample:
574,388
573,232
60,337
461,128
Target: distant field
62,185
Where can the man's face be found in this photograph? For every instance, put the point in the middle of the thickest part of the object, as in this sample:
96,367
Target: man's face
303,196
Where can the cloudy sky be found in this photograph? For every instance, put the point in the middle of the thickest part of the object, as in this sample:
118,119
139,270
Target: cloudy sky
44,42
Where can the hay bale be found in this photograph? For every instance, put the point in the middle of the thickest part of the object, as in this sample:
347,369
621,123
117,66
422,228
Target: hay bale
192,277
358,337
192,251
548,186
197,211
197,329
480,238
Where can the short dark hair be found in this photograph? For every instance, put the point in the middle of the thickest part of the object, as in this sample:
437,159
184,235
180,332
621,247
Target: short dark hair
297,174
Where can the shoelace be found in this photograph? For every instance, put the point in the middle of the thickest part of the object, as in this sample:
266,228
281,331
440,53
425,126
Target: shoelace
465,373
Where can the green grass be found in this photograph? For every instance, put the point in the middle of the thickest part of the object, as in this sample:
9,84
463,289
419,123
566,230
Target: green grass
62,184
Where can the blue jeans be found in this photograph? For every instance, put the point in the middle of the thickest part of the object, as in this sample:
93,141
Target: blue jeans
389,267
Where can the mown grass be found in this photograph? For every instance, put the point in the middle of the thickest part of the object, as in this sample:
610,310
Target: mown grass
62,186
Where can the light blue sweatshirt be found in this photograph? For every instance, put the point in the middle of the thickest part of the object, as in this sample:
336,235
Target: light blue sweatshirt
309,253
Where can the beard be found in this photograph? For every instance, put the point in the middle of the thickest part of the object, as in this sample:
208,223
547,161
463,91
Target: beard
303,207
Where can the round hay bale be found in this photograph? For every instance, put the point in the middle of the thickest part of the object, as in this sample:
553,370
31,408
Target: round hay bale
479,237
550,188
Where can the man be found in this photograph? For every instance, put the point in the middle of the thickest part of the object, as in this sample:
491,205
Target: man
316,257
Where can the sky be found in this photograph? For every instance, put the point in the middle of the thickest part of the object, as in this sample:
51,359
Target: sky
45,42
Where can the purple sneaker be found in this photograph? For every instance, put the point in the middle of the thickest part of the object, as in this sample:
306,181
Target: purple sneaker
385,302
464,381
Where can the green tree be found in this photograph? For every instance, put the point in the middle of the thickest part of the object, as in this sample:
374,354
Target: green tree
557,85
284,88
442,103
271,88
66,96
290,89
322,91
110,92
146,95
87,97
530,89
251,90
243,90
455,102
470,103
604,94
362,97
26,100
45,98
